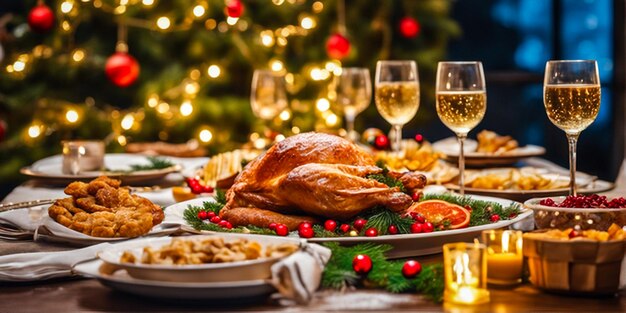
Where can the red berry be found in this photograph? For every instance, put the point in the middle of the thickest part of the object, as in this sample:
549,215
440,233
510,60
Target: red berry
210,214
574,233
416,196
418,217
417,227
196,189
306,232
411,268
222,223
281,230
305,225
371,232
392,230
344,228
229,225
428,227
494,218
362,264
207,189
330,225
215,219
359,224
419,138
202,215
272,226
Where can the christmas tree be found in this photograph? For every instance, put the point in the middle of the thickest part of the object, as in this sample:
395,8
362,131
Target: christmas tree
148,70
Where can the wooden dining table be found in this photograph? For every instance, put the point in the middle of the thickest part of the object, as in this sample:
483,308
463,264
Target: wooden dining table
78,294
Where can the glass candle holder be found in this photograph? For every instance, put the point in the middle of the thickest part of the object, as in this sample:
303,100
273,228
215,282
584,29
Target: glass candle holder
504,256
82,156
465,271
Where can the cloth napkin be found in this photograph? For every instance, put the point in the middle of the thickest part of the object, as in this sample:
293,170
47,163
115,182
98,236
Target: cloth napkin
23,267
298,276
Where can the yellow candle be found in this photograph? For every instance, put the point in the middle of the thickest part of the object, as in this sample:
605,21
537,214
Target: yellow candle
464,269
504,267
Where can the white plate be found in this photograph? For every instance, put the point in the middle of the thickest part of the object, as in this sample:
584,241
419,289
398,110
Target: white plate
404,245
50,168
213,272
450,148
121,281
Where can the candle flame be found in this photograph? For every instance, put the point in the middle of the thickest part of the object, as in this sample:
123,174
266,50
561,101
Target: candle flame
505,242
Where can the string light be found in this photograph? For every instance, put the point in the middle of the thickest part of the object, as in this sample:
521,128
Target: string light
307,23
78,55
285,115
279,138
71,116
127,121
205,135
186,108
19,65
65,25
276,65
147,2
319,74
232,20
317,6
295,130
210,24
153,101
163,22
199,10
192,88
278,2
332,119
267,38
322,105
214,71
120,10
163,107
194,74
66,7
121,139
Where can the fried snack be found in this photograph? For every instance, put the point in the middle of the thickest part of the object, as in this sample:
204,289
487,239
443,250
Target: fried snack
209,250
101,208
512,179
414,157
491,142
613,233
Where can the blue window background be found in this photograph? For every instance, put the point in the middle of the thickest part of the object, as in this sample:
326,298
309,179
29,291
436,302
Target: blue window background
514,39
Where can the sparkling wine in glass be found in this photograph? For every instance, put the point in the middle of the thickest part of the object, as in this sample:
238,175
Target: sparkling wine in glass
571,95
461,102
268,96
397,94
354,93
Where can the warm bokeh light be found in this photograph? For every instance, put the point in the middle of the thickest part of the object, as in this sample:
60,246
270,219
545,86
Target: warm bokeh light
199,10
163,107
153,101
267,38
285,115
34,131
163,22
71,116
318,6
128,121
232,20
295,130
19,66
214,71
332,119
147,2
192,88
322,105
186,108
276,65
67,6
308,23
121,139
78,55
279,138
205,135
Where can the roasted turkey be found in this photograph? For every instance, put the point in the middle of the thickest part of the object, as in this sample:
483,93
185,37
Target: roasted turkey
311,176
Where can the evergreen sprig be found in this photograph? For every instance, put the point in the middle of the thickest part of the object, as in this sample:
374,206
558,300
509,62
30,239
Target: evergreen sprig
384,177
156,163
384,274
381,218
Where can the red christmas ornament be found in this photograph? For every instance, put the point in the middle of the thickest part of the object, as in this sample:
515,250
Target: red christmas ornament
41,18
281,230
371,232
337,46
215,219
392,230
362,264
409,27
210,214
330,225
417,228
381,142
359,224
222,223
122,69
305,225
428,227
344,228
234,8
419,138
202,215
411,268
306,232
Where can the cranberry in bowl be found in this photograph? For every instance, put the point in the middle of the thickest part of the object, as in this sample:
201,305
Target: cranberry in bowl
580,212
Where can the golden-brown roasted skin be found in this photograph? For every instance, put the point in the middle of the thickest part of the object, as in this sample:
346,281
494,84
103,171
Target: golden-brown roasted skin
311,174
102,209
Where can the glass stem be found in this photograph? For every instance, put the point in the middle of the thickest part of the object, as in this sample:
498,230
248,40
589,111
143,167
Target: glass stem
397,141
350,127
461,139
572,140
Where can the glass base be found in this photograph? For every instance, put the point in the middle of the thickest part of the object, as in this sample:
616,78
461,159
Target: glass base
466,296
503,282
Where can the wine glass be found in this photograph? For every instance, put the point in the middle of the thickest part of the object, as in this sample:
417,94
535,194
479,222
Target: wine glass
354,93
268,96
571,95
461,102
397,94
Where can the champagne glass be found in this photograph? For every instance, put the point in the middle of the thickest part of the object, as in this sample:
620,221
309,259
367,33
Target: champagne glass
571,95
268,96
461,102
354,93
397,94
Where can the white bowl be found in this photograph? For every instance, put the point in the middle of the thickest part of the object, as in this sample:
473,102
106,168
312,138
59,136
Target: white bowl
585,218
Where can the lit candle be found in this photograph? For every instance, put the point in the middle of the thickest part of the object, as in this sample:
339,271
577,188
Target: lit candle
504,256
464,270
